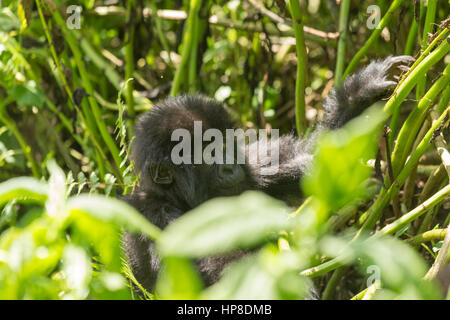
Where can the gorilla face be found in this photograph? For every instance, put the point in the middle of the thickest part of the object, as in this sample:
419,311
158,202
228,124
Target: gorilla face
184,185
191,185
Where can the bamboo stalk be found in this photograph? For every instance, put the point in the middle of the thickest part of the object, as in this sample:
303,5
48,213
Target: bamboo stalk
373,37
300,105
342,42
188,42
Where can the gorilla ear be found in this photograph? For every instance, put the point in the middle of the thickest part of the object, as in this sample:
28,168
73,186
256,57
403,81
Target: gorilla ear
161,173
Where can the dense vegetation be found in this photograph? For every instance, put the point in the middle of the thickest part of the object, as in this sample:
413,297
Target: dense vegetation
73,81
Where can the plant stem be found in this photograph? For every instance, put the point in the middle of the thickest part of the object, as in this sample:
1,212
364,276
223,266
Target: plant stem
371,216
441,145
129,56
396,113
9,123
342,42
54,54
432,235
74,46
300,105
427,30
188,42
160,31
415,120
407,218
192,73
373,37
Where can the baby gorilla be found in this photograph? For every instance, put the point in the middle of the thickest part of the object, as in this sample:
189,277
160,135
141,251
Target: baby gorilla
167,190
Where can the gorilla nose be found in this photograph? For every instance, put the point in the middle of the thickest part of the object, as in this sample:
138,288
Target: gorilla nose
231,172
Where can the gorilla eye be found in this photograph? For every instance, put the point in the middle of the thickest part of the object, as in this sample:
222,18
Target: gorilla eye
160,173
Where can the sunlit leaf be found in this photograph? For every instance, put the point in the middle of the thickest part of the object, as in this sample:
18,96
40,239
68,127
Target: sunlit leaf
267,275
223,224
178,280
340,164
23,189
113,210
28,94
105,240
8,21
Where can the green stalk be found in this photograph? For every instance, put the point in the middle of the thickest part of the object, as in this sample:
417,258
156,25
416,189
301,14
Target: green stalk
405,86
330,289
129,56
160,31
187,46
110,74
342,43
74,46
425,61
429,22
427,29
415,120
192,73
54,54
375,211
433,182
432,235
361,294
411,40
373,37
396,114
9,123
436,41
88,121
300,105
445,98
407,218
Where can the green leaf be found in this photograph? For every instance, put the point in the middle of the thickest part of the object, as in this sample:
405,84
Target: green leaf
23,189
270,274
113,210
340,164
105,240
178,280
223,224
8,21
109,286
28,94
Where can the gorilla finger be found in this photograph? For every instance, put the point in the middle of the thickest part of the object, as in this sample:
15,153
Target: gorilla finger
405,60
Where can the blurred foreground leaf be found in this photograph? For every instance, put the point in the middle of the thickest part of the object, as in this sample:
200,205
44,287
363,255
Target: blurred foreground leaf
399,267
178,279
340,164
223,224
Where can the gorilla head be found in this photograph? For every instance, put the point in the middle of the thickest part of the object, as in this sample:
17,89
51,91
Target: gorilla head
185,185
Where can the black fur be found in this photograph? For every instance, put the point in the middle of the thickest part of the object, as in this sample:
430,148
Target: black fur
194,184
